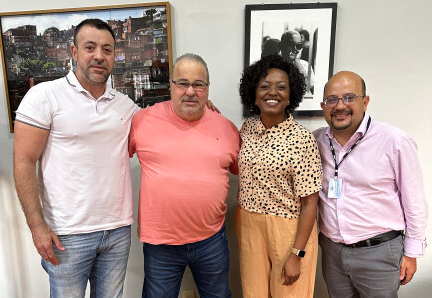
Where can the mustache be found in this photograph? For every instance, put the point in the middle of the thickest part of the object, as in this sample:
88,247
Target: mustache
98,63
189,98
344,112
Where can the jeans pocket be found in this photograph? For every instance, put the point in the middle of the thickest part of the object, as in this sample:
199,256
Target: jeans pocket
395,250
64,238
224,235
222,232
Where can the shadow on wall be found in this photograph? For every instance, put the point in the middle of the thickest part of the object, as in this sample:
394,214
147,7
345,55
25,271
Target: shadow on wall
14,235
235,281
135,268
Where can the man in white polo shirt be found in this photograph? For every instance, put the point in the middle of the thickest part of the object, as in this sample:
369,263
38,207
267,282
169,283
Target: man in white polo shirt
77,128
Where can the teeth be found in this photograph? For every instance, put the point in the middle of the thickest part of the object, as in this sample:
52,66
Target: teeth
271,101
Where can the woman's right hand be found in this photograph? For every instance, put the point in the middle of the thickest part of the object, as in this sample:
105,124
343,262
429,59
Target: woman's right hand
290,270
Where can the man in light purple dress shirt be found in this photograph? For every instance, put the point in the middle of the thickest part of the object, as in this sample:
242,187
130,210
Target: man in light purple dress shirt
372,191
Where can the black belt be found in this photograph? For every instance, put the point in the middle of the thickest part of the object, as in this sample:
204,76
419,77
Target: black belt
376,240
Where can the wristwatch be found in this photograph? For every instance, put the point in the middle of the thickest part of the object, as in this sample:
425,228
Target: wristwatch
298,252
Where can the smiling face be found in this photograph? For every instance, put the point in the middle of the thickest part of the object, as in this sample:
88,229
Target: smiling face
94,54
342,118
272,96
189,104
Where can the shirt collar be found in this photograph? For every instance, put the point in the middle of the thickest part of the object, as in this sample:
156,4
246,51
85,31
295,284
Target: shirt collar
260,128
361,130
73,81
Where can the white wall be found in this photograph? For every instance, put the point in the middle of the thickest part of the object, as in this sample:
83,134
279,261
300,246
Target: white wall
388,42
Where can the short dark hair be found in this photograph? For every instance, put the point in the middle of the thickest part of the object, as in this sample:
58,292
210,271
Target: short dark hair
305,33
287,38
270,46
95,23
253,73
363,86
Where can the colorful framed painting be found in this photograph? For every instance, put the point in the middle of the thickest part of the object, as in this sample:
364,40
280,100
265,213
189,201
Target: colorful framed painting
35,47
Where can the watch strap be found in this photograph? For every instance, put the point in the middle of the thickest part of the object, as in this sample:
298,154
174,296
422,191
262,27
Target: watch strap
298,252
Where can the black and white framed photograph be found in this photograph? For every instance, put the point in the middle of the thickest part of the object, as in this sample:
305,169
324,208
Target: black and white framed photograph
304,34
35,47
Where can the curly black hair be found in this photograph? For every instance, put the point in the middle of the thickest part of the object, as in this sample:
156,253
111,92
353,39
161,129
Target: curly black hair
253,73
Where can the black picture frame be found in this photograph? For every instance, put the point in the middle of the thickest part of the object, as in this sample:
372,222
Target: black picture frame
35,47
315,23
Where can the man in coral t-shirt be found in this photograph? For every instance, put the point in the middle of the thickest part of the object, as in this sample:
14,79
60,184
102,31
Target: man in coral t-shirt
185,151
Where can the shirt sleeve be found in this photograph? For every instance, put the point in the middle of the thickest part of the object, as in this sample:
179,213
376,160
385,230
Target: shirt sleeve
35,109
308,178
409,180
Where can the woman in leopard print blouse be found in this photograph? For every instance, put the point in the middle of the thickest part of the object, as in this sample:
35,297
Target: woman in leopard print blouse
280,176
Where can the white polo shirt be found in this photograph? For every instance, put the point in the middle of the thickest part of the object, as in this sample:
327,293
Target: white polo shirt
84,172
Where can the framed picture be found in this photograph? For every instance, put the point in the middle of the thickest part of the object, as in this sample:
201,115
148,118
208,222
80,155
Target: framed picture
35,47
303,34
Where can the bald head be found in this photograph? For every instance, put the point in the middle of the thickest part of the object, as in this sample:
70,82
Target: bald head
290,36
345,76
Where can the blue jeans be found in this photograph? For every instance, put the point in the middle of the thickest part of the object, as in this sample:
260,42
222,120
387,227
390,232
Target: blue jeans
100,257
208,261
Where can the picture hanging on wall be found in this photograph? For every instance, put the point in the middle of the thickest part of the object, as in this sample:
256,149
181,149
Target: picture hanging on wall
35,47
304,34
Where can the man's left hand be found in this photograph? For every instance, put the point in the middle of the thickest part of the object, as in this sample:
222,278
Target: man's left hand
408,268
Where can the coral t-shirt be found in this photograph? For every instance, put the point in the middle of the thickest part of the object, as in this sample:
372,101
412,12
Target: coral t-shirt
184,173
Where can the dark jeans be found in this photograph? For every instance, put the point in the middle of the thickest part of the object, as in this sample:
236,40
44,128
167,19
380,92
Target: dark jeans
208,261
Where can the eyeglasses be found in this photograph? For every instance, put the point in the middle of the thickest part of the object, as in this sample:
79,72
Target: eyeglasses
298,46
348,99
184,85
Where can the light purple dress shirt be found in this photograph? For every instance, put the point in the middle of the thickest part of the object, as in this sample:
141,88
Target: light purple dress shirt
382,187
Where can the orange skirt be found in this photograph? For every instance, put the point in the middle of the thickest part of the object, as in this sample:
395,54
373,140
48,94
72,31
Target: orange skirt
264,243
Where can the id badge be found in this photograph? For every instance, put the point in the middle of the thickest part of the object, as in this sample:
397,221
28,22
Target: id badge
335,187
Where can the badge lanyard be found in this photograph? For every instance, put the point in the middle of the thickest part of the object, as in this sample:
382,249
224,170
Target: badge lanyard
335,185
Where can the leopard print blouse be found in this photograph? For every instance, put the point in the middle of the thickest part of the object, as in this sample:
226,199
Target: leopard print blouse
278,166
